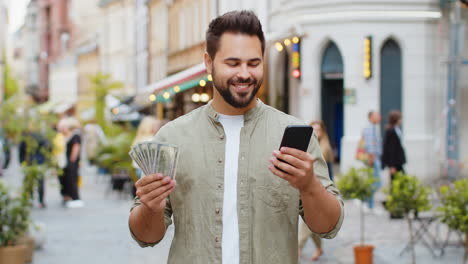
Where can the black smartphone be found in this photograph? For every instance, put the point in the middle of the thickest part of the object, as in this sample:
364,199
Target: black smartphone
297,137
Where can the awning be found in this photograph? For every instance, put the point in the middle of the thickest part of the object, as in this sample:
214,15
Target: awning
164,89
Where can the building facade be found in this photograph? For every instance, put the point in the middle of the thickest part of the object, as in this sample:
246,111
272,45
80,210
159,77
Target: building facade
85,15
117,41
3,38
356,57
32,38
56,34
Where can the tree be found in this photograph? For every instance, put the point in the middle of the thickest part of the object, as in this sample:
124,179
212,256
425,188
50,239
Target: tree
11,84
101,85
358,184
407,195
454,208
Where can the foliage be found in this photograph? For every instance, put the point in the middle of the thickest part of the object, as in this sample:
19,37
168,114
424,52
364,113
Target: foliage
454,208
12,119
10,83
407,195
102,84
357,184
14,216
113,155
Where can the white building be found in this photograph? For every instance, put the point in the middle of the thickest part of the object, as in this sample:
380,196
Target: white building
117,41
409,50
31,52
3,38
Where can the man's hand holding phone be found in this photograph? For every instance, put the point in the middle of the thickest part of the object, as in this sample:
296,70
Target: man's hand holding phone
153,189
296,167
292,162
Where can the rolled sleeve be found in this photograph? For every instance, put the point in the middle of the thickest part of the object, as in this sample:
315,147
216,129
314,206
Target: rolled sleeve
321,172
167,222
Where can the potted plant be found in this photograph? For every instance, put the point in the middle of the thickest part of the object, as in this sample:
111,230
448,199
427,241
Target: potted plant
359,184
454,210
14,221
409,197
113,156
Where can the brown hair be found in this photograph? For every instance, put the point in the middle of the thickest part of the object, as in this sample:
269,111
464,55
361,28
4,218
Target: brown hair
324,141
393,118
244,22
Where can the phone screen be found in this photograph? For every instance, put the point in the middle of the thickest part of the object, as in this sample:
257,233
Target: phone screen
297,137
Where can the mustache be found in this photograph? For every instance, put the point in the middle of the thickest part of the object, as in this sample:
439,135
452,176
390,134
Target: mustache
243,81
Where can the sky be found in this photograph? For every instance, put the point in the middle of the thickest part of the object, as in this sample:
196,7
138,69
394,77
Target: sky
17,10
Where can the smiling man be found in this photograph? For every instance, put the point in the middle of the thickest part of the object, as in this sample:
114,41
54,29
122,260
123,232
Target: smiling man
230,204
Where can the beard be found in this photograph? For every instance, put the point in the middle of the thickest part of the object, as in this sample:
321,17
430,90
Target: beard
235,99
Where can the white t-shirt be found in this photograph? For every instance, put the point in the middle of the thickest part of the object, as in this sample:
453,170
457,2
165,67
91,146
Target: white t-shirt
230,237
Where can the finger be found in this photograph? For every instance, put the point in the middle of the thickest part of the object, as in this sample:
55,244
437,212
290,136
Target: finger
142,190
285,167
161,197
157,192
302,155
279,173
148,179
295,162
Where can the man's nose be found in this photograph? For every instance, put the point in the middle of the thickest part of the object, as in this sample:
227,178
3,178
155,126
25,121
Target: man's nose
243,72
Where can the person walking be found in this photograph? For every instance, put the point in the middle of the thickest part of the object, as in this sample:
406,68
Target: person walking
237,198
70,173
393,152
327,152
373,146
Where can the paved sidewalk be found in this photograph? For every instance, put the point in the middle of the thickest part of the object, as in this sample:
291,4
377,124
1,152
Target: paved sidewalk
98,233
389,238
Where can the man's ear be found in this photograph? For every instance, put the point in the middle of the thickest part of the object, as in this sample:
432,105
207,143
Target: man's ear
208,62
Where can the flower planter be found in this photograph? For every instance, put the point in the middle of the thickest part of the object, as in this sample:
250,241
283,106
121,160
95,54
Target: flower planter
13,254
363,254
30,244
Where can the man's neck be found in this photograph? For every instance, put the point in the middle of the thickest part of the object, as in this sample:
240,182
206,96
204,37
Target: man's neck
224,108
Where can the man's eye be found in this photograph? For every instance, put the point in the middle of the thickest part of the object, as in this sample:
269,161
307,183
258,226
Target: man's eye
254,64
232,64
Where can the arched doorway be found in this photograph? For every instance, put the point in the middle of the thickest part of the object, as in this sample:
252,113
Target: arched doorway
332,96
390,80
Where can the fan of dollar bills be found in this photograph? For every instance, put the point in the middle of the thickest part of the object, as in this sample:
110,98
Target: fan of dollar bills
154,157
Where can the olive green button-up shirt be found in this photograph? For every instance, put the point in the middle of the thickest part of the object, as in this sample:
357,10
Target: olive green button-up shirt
268,207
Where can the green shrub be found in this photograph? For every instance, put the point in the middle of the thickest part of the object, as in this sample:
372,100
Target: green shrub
454,208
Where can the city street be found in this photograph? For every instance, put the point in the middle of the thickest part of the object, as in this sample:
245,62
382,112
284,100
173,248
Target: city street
98,233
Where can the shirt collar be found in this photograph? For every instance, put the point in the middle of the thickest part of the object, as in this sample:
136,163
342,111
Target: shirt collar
249,115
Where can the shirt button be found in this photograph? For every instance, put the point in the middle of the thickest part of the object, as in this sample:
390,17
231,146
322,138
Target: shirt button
219,186
242,158
217,210
242,182
217,239
220,160
221,137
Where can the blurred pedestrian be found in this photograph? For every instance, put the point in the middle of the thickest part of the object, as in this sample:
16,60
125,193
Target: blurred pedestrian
393,152
327,152
72,135
237,198
146,130
93,138
33,150
59,155
373,146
